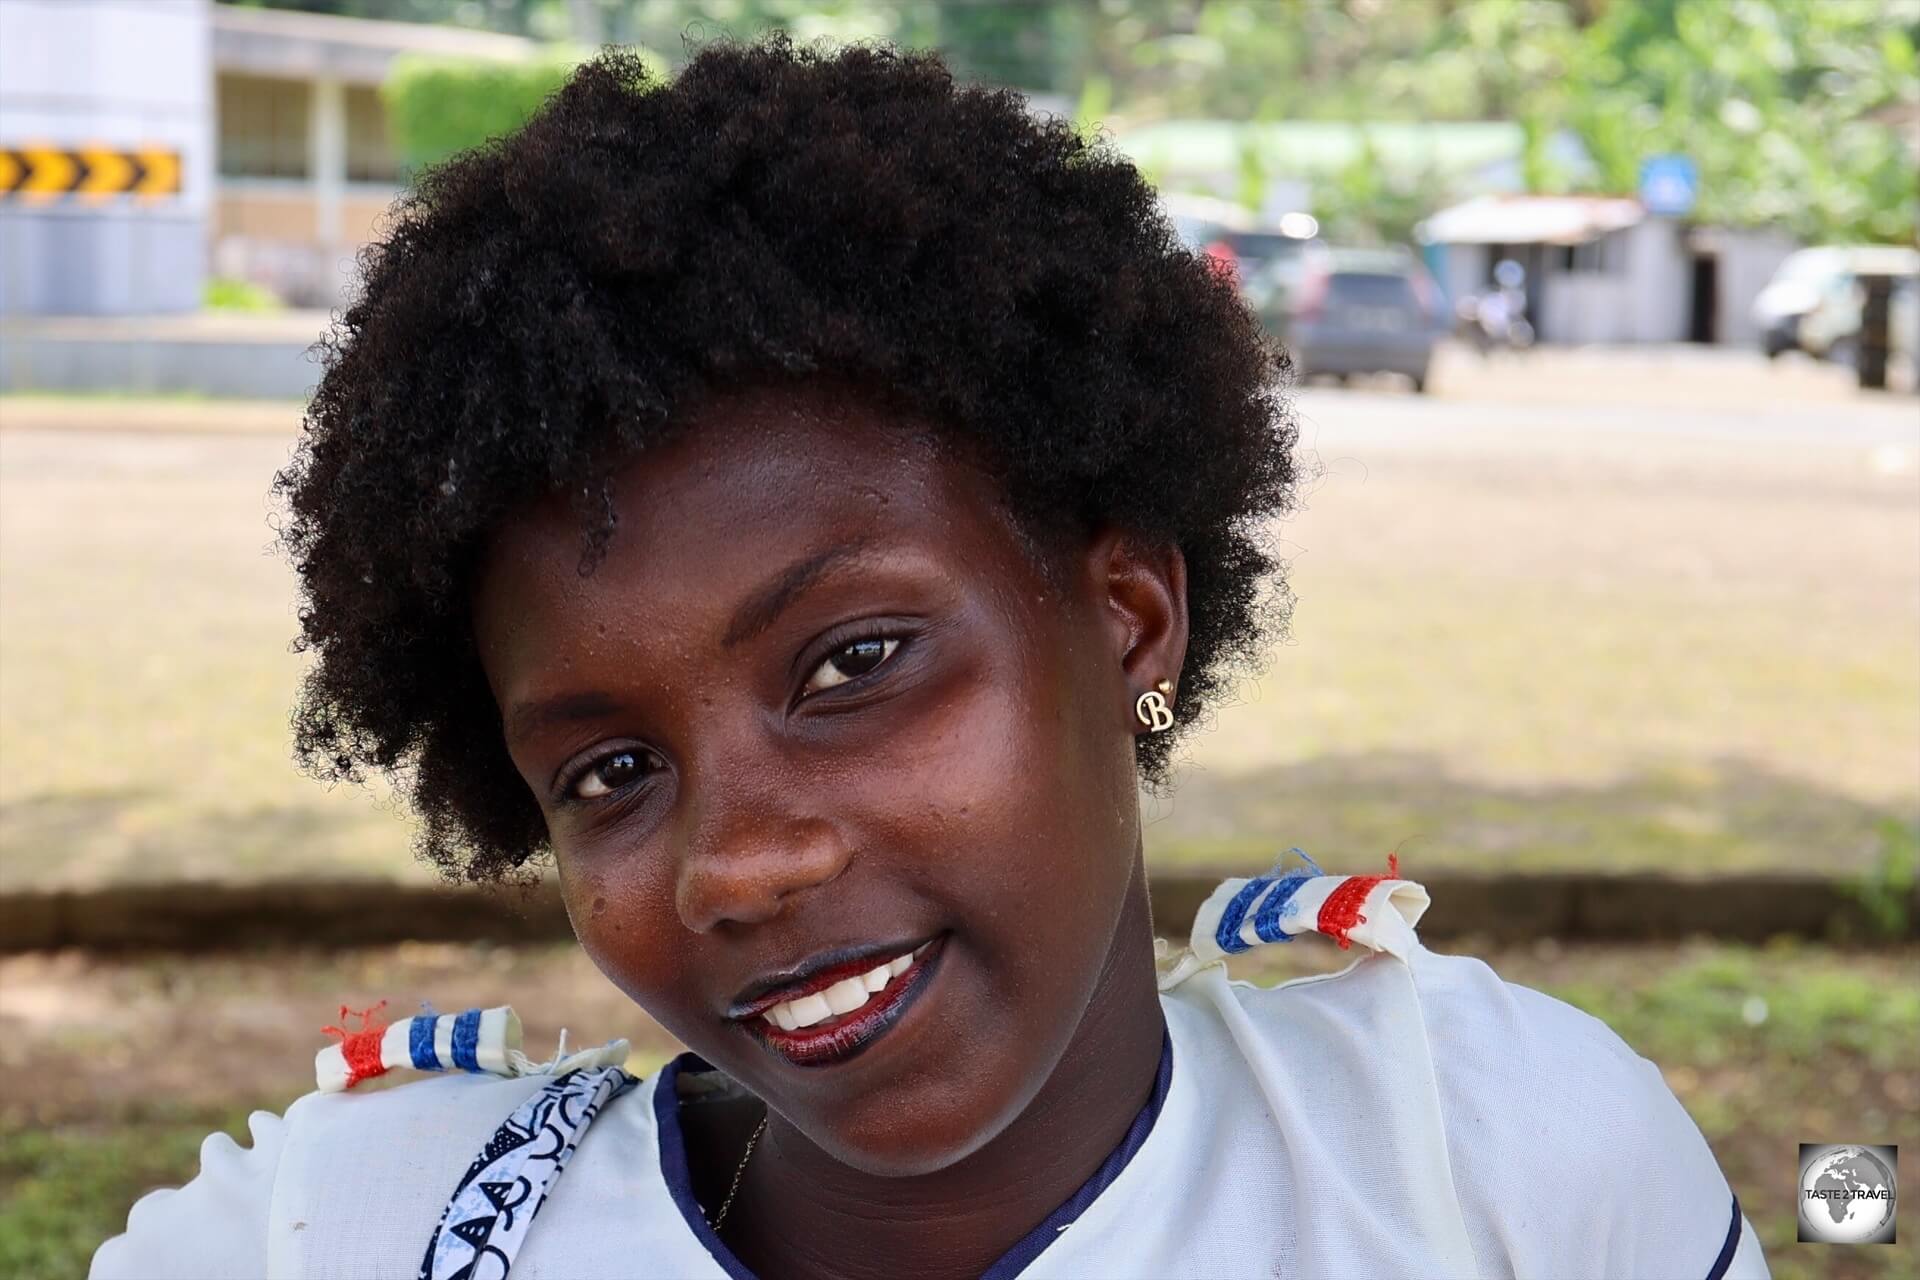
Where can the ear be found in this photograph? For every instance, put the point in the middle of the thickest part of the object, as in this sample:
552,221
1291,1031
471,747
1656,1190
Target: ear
1141,593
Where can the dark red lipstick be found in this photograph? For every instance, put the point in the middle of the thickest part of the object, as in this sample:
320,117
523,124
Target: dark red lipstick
836,1037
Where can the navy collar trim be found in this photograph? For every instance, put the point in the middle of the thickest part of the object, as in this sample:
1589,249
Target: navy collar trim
1729,1247
674,1167
679,1178
1017,1259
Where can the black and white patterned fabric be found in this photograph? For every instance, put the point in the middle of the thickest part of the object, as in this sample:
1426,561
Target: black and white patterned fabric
485,1223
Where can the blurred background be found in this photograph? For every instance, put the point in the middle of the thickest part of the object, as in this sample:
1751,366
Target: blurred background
1608,575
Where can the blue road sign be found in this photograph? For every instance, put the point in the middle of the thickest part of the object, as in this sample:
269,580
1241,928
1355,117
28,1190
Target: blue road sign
1669,185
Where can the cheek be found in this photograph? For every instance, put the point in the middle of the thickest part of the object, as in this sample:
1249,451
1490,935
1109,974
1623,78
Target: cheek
623,915
1020,801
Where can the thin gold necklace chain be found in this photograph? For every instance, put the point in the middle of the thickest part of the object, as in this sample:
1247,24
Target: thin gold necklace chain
738,1173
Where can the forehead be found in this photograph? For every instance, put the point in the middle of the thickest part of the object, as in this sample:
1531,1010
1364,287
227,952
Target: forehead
750,484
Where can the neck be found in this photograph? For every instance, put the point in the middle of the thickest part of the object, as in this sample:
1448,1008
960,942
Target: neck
802,1209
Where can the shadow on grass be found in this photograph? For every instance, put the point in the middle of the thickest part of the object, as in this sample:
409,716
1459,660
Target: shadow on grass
1349,811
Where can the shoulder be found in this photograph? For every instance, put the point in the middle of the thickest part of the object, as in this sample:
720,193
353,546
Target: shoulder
435,1110
215,1225
1482,1030
1566,1151
1568,1148
363,1169
1514,1065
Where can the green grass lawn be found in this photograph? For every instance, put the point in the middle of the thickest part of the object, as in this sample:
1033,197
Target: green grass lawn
63,1190
1767,1047
1589,645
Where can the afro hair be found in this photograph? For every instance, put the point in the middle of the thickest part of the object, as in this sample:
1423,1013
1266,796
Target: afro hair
554,301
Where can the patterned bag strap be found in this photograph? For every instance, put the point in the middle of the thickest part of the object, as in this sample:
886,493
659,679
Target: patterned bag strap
487,1219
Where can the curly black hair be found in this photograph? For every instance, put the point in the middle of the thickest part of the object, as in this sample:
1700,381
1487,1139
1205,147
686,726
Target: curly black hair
547,304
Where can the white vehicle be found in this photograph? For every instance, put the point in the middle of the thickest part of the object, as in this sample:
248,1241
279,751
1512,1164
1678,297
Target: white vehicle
1812,304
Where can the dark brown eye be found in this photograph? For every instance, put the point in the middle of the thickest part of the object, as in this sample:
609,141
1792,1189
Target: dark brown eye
850,662
609,774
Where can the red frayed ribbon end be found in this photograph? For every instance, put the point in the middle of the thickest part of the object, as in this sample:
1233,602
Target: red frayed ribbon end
361,1047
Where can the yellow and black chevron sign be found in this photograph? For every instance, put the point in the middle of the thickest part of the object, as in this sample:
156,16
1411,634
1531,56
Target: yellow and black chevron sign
41,174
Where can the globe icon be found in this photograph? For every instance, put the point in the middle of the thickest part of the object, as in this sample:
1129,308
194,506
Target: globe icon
1846,1195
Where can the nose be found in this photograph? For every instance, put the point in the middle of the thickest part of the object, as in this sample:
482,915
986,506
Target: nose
744,867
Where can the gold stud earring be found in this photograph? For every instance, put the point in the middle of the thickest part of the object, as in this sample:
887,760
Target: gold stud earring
1151,707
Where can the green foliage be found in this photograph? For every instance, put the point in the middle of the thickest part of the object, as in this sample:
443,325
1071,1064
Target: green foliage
1887,890
437,107
1786,106
224,294
1370,201
1738,1004
1096,99
1777,101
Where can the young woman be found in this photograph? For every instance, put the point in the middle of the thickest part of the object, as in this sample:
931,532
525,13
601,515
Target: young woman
804,499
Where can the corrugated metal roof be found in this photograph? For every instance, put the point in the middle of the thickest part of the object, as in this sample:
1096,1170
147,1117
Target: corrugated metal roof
1531,220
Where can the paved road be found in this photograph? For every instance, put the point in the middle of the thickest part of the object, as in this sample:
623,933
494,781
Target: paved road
1675,393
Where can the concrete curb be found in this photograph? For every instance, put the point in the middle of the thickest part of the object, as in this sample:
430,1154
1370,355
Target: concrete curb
159,416
1570,906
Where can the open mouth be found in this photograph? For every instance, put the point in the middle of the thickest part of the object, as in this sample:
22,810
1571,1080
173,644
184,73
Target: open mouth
840,1009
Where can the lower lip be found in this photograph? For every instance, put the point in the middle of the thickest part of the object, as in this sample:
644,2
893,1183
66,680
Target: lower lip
838,1039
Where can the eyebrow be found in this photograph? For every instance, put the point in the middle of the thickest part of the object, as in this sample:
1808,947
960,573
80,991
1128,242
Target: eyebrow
527,718
755,614
760,610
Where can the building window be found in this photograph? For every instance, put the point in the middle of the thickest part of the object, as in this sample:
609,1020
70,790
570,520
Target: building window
263,127
370,155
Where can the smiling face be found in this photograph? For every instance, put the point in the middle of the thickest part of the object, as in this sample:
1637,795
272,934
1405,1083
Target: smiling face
840,789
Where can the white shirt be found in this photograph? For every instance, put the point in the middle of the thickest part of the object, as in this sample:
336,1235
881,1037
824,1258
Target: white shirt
1412,1115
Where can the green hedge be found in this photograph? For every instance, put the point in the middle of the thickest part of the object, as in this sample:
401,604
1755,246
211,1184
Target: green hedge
439,106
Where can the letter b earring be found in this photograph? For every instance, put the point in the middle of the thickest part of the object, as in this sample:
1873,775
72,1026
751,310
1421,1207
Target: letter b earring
1151,707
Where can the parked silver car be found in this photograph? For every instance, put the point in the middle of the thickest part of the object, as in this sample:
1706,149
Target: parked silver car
1352,311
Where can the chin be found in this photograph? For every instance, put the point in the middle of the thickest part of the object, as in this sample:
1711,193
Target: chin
916,1132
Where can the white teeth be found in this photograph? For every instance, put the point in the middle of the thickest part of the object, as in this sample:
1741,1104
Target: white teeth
808,1010
843,997
846,995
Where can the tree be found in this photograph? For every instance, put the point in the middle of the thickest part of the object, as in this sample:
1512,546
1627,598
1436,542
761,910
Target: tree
1775,101
1784,105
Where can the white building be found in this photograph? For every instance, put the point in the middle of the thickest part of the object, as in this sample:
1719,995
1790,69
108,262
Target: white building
120,79
305,167
273,118
1601,269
